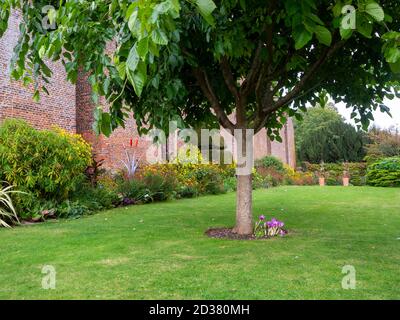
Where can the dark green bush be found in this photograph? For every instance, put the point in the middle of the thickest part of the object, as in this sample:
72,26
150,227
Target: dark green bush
96,199
160,188
187,192
271,162
384,173
132,189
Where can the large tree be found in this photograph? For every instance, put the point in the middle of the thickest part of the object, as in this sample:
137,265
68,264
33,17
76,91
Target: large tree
202,60
323,135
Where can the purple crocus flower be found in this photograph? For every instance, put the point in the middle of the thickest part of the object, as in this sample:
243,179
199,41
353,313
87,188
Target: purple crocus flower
262,217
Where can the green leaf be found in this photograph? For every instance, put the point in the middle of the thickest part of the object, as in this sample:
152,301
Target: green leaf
132,22
122,70
52,14
130,10
206,8
392,55
160,9
138,78
42,52
143,48
324,36
337,9
106,124
159,37
36,96
346,33
395,67
375,10
315,18
301,37
364,26
133,59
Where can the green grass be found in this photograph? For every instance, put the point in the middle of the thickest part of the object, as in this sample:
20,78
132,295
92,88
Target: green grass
159,251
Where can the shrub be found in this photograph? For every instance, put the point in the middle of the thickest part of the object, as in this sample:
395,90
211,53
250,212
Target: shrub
132,191
159,187
189,179
384,173
335,171
95,199
230,184
187,191
72,209
274,177
49,164
260,181
209,179
271,162
298,178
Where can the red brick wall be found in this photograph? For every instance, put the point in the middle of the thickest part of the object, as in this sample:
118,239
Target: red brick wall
58,108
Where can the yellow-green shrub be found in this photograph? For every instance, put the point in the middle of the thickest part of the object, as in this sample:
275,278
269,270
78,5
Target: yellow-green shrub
384,173
49,163
191,179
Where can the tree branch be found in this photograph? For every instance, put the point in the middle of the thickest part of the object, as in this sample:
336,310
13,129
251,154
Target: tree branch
303,81
250,80
228,77
204,83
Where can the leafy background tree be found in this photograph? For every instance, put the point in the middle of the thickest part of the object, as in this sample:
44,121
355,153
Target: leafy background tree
382,143
201,60
323,135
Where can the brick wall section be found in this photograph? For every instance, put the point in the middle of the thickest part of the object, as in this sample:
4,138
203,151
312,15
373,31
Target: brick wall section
57,108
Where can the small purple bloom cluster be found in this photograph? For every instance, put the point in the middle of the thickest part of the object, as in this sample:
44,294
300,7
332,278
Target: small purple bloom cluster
275,223
270,228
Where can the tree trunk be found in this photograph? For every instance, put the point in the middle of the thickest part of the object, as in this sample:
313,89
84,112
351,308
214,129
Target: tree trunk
244,213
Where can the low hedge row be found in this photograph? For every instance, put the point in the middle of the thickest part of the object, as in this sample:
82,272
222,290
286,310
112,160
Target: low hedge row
384,173
334,172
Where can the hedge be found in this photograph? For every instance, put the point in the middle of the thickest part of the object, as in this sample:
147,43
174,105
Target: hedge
384,173
334,172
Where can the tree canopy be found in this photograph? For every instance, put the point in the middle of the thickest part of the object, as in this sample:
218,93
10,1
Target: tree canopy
180,59
323,135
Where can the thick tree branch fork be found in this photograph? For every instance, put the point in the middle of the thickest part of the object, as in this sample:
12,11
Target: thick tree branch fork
204,83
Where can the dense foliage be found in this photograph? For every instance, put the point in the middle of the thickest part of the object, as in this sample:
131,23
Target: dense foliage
193,54
334,172
382,144
384,173
270,162
323,135
48,164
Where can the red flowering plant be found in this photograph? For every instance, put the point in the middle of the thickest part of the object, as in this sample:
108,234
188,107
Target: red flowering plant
131,162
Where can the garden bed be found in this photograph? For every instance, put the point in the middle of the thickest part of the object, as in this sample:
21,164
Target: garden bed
228,233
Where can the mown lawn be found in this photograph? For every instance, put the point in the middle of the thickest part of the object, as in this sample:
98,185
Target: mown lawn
160,251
